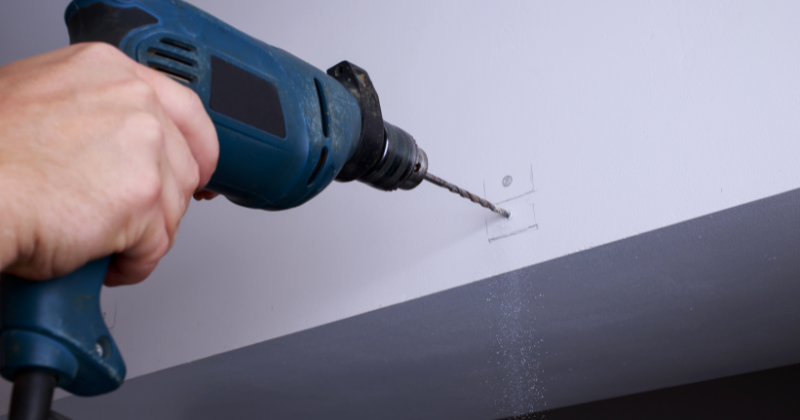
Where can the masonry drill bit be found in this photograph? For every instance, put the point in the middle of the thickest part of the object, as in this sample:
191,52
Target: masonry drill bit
466,194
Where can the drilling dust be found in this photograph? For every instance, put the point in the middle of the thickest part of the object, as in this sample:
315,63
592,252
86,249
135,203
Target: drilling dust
517,349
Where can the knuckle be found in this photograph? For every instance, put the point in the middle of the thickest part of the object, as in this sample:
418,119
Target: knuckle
171,225
163,244
139,92
175,207
96,50
146,188
192,179
147,143
194,104
148,128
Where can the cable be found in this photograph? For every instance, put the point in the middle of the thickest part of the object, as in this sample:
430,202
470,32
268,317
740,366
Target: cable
32,396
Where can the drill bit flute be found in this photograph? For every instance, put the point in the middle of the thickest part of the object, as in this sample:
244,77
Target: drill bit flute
468,195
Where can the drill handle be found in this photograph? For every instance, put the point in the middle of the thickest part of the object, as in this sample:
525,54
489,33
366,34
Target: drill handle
56,326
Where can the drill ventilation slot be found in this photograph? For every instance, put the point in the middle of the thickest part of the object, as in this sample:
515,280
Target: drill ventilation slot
178,44
175,74
174,58
323,108
323,157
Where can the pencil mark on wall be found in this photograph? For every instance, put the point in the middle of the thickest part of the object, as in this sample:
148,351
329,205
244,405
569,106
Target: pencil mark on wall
515,192
513,233
531,191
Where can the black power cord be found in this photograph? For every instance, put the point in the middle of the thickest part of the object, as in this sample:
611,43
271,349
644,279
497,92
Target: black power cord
32,396
55,416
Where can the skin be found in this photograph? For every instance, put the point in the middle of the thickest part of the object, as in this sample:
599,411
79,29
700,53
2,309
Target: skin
99,155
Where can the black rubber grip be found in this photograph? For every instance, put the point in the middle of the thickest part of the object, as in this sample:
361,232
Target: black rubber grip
100,22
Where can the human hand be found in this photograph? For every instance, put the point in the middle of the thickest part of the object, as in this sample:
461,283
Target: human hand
99,155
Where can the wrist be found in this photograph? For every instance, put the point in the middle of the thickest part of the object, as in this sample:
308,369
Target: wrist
13,218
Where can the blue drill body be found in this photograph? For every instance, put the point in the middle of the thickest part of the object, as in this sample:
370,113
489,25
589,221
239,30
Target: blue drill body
262,167
286,129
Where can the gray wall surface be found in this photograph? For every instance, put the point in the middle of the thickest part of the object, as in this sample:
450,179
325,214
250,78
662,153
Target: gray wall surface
30,28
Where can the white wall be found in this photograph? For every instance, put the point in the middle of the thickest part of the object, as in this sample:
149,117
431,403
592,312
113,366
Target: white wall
631,115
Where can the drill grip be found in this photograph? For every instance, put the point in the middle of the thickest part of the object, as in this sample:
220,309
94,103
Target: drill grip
56,326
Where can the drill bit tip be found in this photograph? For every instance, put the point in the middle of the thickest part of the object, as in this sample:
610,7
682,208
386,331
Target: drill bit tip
468,195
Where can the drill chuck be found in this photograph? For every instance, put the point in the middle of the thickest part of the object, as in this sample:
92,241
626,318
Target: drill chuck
385,156
402,165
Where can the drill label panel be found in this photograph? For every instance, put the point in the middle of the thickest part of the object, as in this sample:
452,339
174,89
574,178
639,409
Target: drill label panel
245,97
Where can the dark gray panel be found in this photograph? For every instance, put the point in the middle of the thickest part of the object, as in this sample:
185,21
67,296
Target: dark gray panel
765,394
706,298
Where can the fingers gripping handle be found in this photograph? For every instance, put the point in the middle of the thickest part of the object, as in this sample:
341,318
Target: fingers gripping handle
56,326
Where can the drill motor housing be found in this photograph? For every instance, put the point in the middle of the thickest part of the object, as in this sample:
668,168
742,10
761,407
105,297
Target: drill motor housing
286,129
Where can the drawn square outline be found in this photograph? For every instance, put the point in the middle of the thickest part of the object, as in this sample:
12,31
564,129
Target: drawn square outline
533,226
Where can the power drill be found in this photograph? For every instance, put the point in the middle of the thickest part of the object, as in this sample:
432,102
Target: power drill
286,130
